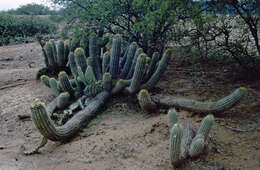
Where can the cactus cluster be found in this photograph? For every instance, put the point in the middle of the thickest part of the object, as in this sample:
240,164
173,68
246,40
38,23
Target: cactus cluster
182,140
145,101
94,78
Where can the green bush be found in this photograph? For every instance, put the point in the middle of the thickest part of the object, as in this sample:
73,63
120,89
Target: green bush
12,26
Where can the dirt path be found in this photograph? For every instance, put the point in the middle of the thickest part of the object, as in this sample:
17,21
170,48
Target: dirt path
122,137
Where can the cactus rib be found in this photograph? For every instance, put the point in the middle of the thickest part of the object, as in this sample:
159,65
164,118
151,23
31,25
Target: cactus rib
175,144
115,56
44,141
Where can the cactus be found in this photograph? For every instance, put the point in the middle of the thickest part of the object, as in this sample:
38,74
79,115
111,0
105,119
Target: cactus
172,117
123,60
90,61
132,69
80,59
159,71
49,53
54,50
60,54
82,76
91,90
206,126
197,146
107,81
120,85
65,83
89,75
66,50
73,65
105,62
84,43
202,107
152,65
175,145
54,86
145,101
129,60
74,43
45,79
63,100
115,56
138,74
93,52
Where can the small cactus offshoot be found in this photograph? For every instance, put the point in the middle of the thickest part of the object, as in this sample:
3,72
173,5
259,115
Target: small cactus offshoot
145,101
197,146
172,117
175,145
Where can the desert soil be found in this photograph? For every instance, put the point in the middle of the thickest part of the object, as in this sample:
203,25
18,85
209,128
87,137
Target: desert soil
122,136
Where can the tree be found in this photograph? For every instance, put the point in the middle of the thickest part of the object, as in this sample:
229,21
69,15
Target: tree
148,22
32,9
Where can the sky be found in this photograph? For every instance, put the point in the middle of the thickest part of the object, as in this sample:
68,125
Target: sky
12,4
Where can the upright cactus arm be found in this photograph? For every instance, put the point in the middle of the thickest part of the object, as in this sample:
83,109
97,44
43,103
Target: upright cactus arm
152,65
105,62
46,80
202,107
73,65
60,54
49,54
206,126
52,132
175,145
172,117
115,56
65,83
197,146
81,59
54,49
159,71
66,51
129,60
54,86
138,74
132,69
187,135
93,52
107,81
63,100
123,59
89,75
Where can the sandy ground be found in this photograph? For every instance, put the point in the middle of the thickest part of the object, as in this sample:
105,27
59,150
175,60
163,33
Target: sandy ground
122,137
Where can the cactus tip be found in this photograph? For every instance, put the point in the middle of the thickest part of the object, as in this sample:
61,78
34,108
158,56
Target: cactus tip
243,89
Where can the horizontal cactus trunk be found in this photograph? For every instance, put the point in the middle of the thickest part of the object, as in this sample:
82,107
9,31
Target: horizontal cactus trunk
42,120
201,107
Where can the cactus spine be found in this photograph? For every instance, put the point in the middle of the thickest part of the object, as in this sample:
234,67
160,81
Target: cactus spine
63,100
175,144
80,59
159,71
172,117
206,126
115,56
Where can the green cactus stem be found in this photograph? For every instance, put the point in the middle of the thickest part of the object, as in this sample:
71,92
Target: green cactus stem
123,60
74,43
54,49
54,86
172,117
197,146
73,65
145,101
84,43
152,65
129,60
115,56
60,54
132,69
105,62
82,76
49,53
187,136
36,149
93,52
64,133
120,85
159,71
65,83
202,107
206,126
175,145
46,80
138,74
107,81
89,75
91,90
66,50
80,59
63,100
